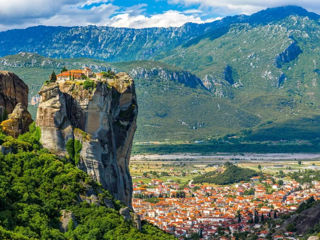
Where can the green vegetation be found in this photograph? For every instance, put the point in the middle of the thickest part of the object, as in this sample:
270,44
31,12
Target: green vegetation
64,69
225,147
89,84
36,185
307,204
109,74
253,101
53,77
152,200
231,174
305,176
4,115
73,148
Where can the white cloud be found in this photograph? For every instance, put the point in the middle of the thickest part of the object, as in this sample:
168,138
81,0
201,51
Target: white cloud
91,2
25,13
225,7
169,18
74,16
22,14
54,13
15,11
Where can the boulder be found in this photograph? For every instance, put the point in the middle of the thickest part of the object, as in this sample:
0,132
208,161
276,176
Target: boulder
125,212
65,220
18,121
12,91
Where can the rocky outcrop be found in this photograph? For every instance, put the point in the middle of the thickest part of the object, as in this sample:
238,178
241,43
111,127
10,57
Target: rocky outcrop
13,101
303,222
186,78
228,74
99,122
67,220
288,55
282,80
18,121
12,91
131,216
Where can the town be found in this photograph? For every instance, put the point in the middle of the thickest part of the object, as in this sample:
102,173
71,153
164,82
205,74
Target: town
209,211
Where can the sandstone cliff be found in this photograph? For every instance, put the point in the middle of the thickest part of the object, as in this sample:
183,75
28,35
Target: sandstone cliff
12,91
99,121
18,121
13,101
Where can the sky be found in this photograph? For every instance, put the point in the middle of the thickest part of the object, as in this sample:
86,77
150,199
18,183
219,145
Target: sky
130,13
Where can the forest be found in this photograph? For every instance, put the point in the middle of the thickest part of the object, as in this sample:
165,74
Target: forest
36,185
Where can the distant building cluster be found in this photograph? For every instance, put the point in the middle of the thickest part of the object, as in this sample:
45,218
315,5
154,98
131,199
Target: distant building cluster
208,210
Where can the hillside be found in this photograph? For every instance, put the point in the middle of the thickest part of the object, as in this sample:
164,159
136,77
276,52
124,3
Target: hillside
37,187
123,44
166,96
72,188
230,174
244,79
114,44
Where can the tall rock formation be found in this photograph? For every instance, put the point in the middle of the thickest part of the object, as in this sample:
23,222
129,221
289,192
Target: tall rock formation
13,104
18,121
95,126
12,91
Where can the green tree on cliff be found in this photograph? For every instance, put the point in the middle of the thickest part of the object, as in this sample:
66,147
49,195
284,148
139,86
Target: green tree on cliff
53,77
64,69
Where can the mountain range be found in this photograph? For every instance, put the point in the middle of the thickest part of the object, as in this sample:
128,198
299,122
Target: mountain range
240,79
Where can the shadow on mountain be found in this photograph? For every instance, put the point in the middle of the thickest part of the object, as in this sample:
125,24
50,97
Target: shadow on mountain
295,129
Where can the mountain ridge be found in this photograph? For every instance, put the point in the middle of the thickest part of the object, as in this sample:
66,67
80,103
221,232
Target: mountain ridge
136,44
252,76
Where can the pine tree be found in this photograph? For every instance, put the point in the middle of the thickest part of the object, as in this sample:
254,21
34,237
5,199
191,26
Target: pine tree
53,77
64,69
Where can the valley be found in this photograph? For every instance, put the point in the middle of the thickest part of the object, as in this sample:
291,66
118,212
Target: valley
243,83
166,194
207,130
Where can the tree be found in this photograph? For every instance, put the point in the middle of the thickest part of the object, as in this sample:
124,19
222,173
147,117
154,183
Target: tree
259,167
238,216
53,77
73,148
299,162
280,182
64,69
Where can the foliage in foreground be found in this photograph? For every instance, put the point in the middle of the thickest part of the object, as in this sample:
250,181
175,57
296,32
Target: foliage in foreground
36,185
232,174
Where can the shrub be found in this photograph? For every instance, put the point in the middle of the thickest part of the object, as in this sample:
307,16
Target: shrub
73,148
88,85
109,74
64,69
53,77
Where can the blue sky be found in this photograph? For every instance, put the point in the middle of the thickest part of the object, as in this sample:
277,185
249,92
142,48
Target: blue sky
130,13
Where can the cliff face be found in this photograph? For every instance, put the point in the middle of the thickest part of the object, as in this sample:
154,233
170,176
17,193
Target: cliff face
98,122
12,91
13,101
18,121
